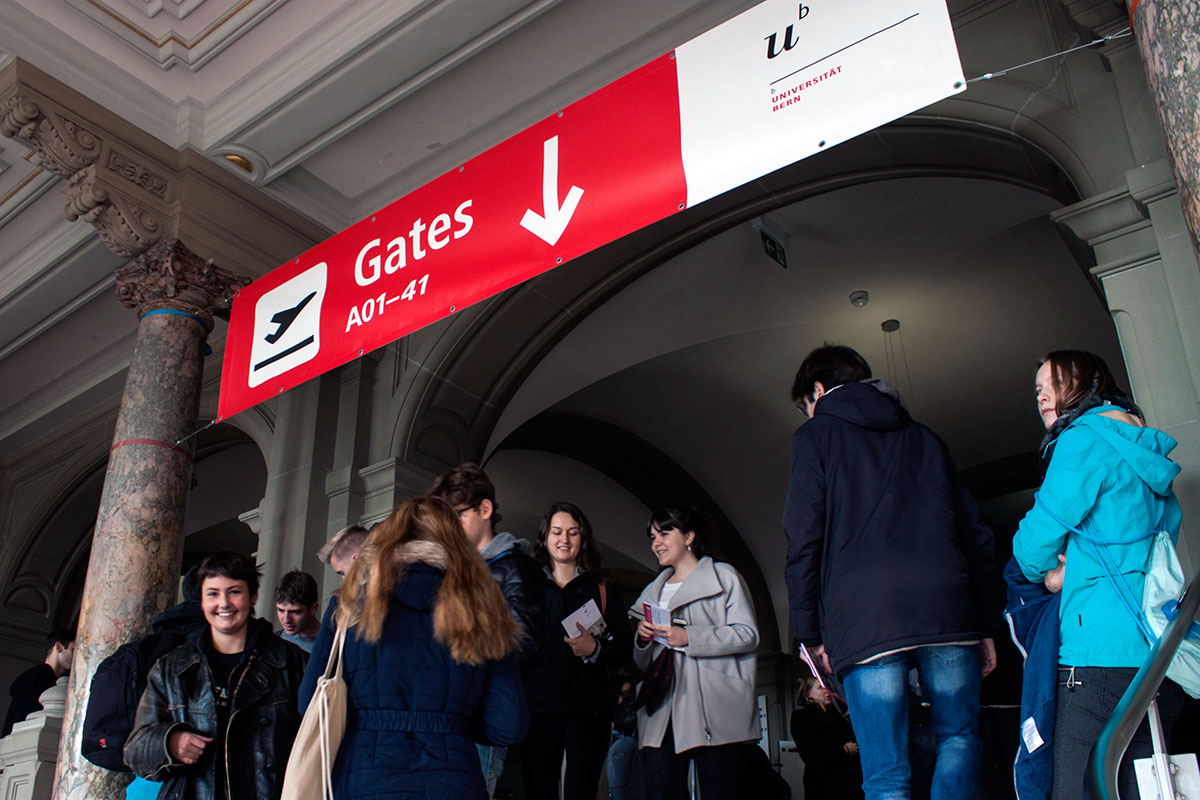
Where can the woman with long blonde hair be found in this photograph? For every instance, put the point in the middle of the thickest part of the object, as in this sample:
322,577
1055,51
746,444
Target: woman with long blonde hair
428,661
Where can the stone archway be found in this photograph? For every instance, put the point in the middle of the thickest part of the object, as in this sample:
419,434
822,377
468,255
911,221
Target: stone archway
476,361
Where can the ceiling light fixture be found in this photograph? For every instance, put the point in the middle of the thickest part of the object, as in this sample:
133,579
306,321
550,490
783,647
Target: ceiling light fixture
239,161
859,299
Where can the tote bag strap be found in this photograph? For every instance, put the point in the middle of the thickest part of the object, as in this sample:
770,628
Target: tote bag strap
333,667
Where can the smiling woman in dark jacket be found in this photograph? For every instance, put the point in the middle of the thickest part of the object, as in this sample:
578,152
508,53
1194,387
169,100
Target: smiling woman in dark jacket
429,662
568,692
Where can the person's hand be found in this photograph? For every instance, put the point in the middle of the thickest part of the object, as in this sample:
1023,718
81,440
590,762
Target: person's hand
675,635
582,645
186,746
645,631
1054,578
851,748
822,658
987,656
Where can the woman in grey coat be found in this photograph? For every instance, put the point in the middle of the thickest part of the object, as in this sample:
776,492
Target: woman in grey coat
709,646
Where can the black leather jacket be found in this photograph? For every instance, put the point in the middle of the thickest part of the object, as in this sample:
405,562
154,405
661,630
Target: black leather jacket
263,718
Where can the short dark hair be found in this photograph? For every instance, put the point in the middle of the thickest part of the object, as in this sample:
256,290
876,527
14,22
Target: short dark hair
683,519
344,544
831,365
297,588
590,559
227,564
466,484
58,636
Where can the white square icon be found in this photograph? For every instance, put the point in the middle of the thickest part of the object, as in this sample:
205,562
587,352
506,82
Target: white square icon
287,325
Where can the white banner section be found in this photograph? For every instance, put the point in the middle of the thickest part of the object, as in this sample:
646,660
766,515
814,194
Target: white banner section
785,80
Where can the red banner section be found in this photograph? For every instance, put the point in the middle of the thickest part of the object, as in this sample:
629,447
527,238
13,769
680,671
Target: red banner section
604,167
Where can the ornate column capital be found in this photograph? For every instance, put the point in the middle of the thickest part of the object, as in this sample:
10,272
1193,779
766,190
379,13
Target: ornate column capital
170,276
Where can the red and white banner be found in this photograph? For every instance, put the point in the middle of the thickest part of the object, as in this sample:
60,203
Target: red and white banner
775,84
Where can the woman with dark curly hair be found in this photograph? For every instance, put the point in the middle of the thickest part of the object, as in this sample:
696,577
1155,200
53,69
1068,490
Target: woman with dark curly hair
706,711
569,703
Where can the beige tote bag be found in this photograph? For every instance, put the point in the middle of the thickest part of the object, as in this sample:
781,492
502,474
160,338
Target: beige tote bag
310,765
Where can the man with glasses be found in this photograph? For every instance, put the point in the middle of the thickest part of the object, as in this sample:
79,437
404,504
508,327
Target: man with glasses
470,492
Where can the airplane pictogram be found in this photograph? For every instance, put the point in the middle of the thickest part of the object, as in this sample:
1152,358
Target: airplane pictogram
285,318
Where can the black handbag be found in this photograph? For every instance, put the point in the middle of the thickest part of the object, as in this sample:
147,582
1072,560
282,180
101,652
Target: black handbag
659,681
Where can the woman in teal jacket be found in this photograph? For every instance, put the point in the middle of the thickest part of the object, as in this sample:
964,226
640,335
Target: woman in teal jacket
1108,474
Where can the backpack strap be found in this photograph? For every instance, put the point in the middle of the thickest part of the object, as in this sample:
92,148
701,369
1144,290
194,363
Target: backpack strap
1099,547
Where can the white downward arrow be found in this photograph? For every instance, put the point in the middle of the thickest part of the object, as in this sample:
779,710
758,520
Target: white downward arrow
550,224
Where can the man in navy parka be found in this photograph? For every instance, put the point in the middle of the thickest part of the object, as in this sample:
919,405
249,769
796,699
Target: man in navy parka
889,568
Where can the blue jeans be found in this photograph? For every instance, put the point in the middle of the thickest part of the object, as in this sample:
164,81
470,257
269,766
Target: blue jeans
877,696
491,761
620,767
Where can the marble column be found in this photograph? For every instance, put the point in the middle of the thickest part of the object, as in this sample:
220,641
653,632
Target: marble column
138,542
1166,32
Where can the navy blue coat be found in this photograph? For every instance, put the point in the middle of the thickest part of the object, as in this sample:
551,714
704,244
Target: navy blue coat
886,549
414,713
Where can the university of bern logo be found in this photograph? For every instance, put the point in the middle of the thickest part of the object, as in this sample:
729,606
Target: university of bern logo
775,46
287,325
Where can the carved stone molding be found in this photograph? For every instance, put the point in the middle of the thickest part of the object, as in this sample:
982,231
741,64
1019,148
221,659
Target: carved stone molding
138,191
64,145
169,276
137,174
127,198
126,225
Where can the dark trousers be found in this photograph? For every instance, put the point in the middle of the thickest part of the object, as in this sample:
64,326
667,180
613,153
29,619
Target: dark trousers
717,769
583,737
1084,703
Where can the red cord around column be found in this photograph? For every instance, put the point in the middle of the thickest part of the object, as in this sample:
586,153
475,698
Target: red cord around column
154,442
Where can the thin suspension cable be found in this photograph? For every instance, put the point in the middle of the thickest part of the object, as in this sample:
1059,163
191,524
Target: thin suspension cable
196,433
989,75
907,373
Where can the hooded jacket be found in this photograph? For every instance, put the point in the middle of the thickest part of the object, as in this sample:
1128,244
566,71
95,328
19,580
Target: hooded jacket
263,718
413,712
712,702
886,550
1117,478
521,582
